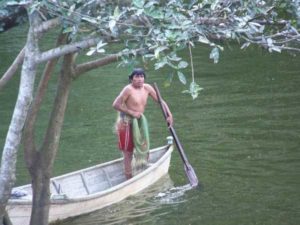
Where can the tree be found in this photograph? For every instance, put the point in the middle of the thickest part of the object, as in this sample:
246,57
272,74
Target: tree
155,30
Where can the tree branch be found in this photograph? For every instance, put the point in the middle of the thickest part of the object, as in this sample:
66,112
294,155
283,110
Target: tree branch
19,59
66,49
29,144
210,21
12,69
14,134
52,136
49,24
85,67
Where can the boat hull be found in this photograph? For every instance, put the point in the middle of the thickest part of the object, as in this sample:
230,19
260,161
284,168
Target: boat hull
19,210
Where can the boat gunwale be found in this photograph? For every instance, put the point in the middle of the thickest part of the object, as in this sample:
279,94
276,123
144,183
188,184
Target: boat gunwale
169,149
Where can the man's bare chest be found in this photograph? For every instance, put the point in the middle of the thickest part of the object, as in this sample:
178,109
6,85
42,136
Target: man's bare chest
138,97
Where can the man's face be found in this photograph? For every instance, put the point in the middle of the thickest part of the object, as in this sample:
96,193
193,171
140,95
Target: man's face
138,80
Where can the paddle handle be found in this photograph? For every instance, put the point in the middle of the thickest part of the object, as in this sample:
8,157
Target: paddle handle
172,130
187,166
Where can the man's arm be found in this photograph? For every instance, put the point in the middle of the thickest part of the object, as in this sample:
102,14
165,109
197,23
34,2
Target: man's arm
152,93
119,103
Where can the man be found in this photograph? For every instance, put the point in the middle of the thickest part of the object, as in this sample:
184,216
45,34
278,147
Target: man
131,103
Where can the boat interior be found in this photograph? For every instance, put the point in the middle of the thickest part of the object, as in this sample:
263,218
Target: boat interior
87,181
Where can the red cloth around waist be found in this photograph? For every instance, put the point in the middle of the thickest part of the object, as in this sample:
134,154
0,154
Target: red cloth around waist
125,137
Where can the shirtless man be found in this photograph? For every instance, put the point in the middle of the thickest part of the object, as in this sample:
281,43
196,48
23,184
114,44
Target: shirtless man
131,102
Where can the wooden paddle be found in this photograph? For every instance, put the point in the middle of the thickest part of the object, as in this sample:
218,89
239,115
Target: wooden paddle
189,171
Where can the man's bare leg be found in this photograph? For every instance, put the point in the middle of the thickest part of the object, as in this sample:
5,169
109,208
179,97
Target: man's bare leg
127,164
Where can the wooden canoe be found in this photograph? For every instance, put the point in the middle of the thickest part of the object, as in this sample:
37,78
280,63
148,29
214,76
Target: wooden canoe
92,188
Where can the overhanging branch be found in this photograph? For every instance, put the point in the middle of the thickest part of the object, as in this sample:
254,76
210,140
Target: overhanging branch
85,67
19,59
66,49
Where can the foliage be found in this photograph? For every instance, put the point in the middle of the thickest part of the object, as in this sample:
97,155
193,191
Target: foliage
166,27
11,16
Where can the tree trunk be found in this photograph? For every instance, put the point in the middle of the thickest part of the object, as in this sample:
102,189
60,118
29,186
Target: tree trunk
42,164
41,190
13,138
29,131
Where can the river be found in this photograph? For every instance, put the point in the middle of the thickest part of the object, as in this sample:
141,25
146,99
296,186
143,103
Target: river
241,135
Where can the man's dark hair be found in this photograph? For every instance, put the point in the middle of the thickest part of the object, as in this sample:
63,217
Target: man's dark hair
137,71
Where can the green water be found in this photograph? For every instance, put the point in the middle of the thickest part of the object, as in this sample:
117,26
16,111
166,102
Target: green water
241,135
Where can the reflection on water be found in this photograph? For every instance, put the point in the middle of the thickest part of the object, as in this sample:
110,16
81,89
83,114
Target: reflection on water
138,208
173,195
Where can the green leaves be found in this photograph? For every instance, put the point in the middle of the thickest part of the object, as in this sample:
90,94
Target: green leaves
98,49
12,3
203,40
193,90
166,61
161,63
271,46
214,54
182,64
166,27
112,23
90,20
169,80
181,77
158,50
113,20
138,3
154,13
172,60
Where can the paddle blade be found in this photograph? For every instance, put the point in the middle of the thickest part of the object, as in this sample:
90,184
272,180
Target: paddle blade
188,168
190,173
